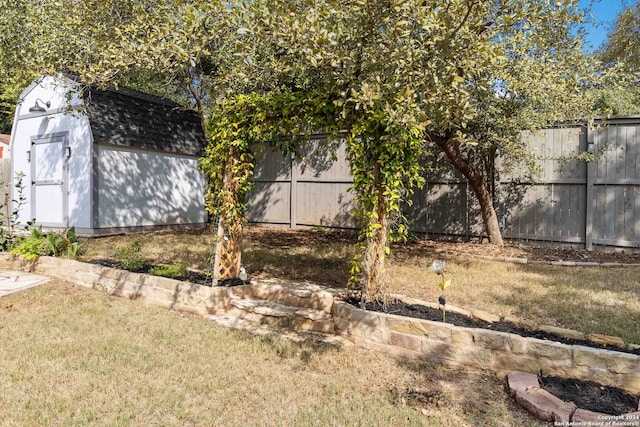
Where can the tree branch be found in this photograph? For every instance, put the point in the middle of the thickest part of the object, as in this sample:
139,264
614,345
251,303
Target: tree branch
196,96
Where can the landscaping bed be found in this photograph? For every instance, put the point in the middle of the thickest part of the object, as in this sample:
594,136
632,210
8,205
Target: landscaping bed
191,276
587,395
591,396
583,298
416,311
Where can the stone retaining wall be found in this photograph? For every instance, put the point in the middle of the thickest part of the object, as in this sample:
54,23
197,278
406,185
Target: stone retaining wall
397,335
497,351
154,290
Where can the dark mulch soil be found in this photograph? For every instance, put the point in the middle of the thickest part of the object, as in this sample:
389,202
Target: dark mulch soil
586,395
282,238
193,276
591,396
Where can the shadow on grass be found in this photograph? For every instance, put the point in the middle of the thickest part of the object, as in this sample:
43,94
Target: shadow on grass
590,300
325,269
478,397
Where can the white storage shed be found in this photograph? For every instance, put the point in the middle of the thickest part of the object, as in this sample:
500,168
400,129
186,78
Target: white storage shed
106,161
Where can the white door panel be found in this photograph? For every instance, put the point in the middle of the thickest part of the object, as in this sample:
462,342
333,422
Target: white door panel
48,186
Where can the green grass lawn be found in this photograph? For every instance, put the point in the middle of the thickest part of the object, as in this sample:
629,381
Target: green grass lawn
74,356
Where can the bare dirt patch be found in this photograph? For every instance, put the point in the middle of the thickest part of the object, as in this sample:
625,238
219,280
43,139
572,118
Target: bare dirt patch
287,238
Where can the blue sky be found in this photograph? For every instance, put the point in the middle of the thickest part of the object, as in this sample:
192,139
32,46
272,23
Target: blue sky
603,13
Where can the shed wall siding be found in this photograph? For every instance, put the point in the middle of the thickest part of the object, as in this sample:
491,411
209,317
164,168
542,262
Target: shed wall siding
39,125
137,188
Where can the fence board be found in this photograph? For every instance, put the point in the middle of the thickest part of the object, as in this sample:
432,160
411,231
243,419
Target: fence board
636,218
325,204
269,202
567,201
633,153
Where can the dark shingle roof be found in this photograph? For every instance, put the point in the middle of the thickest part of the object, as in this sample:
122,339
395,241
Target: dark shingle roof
134,119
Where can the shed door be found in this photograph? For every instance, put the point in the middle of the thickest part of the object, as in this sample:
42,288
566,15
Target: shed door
48,180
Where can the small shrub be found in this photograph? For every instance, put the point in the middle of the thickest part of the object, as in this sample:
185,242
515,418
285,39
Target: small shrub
30,248
63,243
173,271
10,227
130,255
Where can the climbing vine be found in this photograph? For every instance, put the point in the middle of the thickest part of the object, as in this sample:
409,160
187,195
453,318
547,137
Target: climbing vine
383,155
384,160
239,127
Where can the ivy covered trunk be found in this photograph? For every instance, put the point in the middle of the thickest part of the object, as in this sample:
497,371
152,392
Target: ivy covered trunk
376,242
228,249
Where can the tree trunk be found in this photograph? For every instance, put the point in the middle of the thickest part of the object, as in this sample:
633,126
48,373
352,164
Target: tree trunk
480,189
228,251
375,251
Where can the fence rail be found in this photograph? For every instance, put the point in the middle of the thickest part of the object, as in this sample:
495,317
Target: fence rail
570,201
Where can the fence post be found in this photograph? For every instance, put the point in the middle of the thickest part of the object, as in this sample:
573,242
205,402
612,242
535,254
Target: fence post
293,198
590,199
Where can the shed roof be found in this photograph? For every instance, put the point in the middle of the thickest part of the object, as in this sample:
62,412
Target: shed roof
129,118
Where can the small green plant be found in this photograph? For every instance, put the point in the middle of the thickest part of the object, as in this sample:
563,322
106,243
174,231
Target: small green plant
173,271
63,243
9,224
130,255
438,267
73,250
31,247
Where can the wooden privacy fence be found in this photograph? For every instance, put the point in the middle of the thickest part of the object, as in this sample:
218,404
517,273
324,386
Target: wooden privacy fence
569,201
5,179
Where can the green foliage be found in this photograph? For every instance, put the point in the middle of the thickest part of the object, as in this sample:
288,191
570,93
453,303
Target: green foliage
63,243
246,124
52,243
468,76
614,101
130,255
385,163
623,42
397,77
174,271
464,76
6,119
141,43
31,247
10,227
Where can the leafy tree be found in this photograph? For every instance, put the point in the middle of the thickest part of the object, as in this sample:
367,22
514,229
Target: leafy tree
5,122
396,77
156,46
460,76
623,41
622,50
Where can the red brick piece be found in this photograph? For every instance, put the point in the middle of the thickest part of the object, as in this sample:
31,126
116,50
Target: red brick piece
544,405
587,416
521,381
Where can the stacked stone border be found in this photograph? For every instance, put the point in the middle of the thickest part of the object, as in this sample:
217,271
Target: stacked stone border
526,390
396,335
